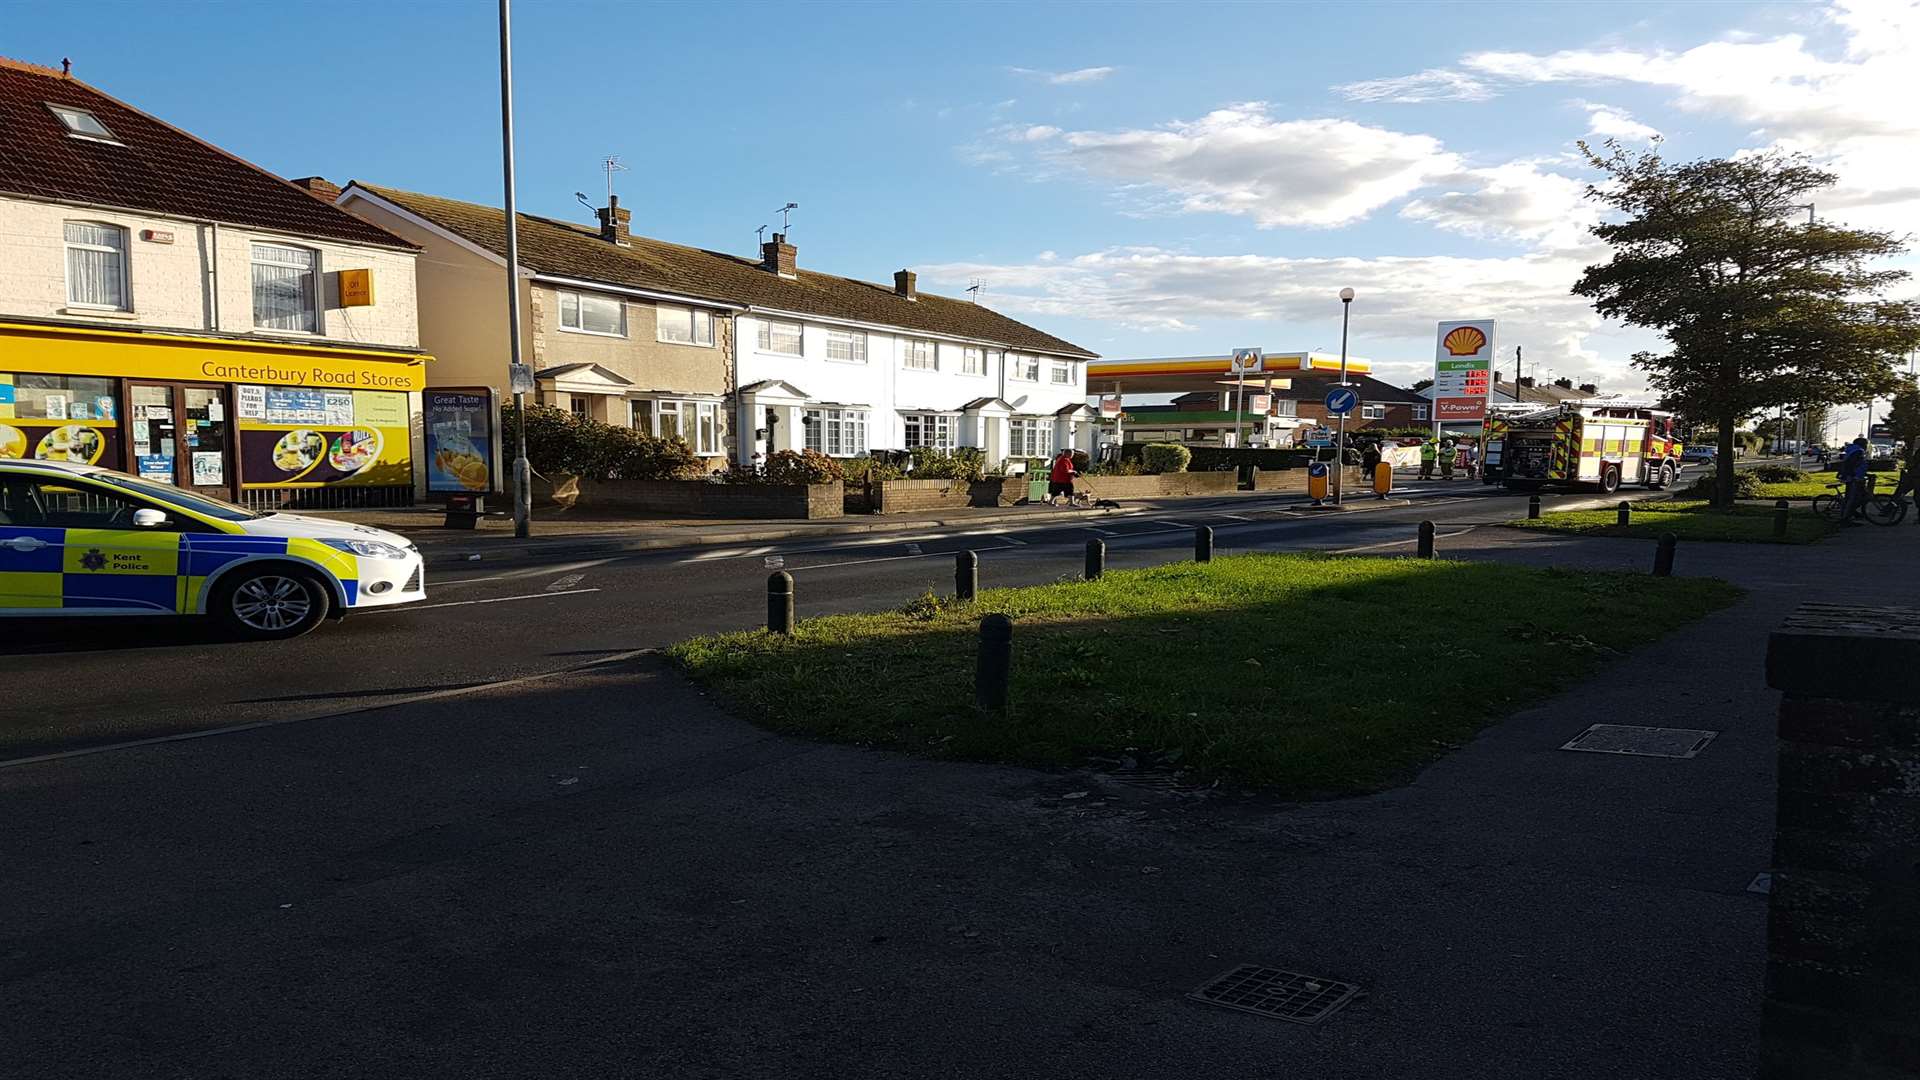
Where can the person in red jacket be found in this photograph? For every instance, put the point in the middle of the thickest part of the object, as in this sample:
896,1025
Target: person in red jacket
1060,477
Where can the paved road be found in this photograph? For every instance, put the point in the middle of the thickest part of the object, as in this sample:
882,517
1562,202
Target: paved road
77,684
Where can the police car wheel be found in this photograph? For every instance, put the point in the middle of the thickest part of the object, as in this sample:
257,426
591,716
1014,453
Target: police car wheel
272,603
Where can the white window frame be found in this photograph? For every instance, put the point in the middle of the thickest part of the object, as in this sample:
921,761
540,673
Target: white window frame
688,414
944,428
765,339
1037,443
1060,372
126,289
835,432
911,358
579,327
850,344
694,317
1025,368
64,114
319,301
973,360
1373,412
1420,412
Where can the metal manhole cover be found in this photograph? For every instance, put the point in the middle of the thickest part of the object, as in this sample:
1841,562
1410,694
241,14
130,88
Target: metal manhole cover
1667,742
1283,995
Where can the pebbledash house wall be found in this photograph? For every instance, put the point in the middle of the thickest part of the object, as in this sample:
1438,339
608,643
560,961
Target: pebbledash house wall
886,388
170,284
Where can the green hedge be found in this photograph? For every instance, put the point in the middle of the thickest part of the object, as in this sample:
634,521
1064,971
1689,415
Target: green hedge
560,443
1165,457
1209,458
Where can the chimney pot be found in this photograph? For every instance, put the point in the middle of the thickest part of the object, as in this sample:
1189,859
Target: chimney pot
615,222
779,257
903,284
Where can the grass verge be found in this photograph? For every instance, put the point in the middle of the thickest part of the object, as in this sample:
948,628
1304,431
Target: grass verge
1309,675
1688,520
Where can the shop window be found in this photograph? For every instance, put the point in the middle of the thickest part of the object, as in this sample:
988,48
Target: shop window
56,397
96,265
683,326
285,296
592,313
837,432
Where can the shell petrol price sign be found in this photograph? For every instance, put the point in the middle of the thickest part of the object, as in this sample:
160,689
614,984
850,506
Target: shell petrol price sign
1462,369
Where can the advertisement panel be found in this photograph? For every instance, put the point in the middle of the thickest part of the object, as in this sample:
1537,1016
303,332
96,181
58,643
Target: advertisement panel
52,418
1462,369
291,437
459,435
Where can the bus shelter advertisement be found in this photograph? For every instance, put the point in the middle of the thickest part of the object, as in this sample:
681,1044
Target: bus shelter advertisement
1462,369
292,437
459,428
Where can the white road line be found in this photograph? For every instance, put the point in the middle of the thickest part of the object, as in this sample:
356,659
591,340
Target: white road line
325,714
1008,539
563,583
1172,524
540,571
464,603
1233,517
1102,532
1397,543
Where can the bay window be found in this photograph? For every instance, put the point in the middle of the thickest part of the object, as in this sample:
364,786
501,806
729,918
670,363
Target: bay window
285,296
780,337
696,423
96,265
919,354
937,431
837,432
849,346
683,326
593,313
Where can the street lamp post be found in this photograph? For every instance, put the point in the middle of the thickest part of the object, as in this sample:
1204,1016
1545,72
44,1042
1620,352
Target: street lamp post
522,471
1340,444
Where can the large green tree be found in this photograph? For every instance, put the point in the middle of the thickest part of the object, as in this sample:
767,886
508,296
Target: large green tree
1903,417
1759,306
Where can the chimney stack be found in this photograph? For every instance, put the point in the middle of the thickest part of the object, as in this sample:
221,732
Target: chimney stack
1589,389
779,257
614,222
1526,380
903,284
320,186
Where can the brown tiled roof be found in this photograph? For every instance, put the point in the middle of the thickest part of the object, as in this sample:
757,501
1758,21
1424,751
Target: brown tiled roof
565,249
155,166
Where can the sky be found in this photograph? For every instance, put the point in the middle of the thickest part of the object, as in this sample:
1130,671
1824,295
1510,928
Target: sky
1141,179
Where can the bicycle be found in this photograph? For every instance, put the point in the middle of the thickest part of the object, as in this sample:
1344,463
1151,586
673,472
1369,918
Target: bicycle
1880,509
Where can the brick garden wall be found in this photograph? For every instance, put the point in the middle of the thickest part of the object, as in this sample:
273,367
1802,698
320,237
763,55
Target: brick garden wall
700,498
1843,928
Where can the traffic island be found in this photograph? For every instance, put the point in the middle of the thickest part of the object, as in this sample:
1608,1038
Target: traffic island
1303,675
1689,521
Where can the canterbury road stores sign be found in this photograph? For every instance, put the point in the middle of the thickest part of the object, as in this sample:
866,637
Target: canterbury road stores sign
60,351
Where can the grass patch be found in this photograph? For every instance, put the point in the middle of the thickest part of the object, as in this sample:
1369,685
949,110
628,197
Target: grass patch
1689,520
1228,670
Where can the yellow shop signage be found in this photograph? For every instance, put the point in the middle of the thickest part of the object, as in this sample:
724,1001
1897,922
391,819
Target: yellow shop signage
85,351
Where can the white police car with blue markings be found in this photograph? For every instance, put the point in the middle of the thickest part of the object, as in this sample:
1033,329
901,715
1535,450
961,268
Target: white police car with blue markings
82,540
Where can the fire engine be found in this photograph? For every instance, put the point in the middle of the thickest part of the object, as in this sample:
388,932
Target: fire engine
1598,443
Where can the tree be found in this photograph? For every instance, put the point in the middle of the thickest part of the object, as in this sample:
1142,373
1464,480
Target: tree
1760,308
1420,384
1903,417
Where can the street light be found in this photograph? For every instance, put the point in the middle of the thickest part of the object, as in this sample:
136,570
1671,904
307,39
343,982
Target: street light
1340,445
522,471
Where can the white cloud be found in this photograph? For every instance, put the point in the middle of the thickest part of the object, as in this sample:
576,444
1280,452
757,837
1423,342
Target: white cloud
1065,78
1400,299
1515,201
1611,123
1433,84
1035,133
1240,160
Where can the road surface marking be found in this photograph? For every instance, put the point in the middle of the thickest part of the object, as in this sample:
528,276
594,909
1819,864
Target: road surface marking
1233,517
464,603
563,583
1008,539
540,571
1397,543
329,714
1102,532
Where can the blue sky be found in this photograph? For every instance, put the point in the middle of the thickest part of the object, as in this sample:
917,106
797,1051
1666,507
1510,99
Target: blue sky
1143,179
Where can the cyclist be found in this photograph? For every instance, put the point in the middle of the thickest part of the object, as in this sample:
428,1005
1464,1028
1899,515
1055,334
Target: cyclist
1910,476
1853,473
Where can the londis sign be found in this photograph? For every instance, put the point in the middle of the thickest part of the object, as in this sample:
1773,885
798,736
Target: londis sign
107,353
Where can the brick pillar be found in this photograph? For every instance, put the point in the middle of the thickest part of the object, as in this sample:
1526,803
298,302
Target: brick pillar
1843,925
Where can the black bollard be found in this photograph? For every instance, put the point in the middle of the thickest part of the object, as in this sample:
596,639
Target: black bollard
1425,548
1533,508
1780,519
966,575
780,602
1663,555
1625,516
991,674
1202,544
1096,558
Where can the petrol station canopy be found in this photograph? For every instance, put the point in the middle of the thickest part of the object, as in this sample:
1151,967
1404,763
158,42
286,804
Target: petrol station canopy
1182,374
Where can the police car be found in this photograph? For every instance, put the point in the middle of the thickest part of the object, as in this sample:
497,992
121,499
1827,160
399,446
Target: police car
82,540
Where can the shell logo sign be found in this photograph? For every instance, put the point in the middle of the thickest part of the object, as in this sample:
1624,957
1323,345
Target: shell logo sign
1464,341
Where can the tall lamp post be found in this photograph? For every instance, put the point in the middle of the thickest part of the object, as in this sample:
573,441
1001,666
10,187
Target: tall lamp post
1340,445
522,471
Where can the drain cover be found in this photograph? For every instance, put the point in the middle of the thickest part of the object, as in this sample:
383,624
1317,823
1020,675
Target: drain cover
1667,742
1284,995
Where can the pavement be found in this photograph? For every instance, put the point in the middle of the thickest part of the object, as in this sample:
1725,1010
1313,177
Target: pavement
596,872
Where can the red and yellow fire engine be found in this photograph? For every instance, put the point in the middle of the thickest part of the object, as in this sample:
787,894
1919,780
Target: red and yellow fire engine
1599,443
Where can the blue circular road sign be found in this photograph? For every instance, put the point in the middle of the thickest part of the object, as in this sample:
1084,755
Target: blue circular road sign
1341,400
